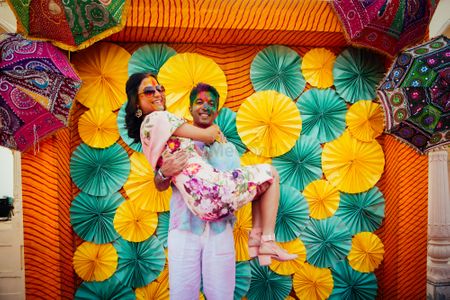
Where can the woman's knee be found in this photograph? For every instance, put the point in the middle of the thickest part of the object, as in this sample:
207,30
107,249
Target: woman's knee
276,176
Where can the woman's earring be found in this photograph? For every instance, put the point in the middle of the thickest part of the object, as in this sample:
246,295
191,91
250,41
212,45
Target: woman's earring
138,113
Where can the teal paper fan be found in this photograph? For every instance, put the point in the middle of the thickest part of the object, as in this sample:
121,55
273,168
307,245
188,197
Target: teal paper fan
292,216
357,72
302,164
243,279
268,285
139,263
362,211
278,68
99,172
92,217
111,289
162,230
327,241
124,132
323,114
149,58
351,284
227,123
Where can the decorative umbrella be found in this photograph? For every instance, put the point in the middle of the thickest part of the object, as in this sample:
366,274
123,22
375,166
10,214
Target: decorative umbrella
250,158
98,127
327,241
70,25
162,230
357,73
124,132
415,95
267,285
139,263
317,67
227,123
278,68
92,217
323,114
182,72
156,290
290,267
323,199
362,211
352,166
243,279
292,214
99,172
268,123
312,283
149,58
366,253
103,68
351,284
133,223
386,26
241,230
95,262
365,120
302,164
111,289
38,87
141,188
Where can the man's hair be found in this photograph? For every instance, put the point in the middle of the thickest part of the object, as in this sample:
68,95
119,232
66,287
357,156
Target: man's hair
203,87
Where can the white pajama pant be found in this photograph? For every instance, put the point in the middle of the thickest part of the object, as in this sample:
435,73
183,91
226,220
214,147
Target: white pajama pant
208,256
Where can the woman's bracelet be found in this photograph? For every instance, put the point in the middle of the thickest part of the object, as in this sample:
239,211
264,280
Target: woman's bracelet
161,175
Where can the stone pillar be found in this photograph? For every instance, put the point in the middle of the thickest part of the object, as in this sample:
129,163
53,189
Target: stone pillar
438,271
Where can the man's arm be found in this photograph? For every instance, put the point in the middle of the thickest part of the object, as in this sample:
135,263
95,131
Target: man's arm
172,165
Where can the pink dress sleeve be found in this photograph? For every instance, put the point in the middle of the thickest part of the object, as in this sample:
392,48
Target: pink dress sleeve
156,129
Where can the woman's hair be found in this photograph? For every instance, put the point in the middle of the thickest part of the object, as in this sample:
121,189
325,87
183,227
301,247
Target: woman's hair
133,123
203,87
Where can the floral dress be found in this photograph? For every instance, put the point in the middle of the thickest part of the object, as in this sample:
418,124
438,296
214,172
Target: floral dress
209,193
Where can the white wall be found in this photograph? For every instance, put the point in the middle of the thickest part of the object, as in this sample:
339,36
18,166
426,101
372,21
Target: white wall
6,172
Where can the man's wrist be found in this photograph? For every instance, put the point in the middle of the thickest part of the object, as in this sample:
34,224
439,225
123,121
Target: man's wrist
161,175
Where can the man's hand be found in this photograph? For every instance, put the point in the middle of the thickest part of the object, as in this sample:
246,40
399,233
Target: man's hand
171,166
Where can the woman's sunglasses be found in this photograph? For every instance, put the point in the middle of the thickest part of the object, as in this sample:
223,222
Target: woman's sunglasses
150,90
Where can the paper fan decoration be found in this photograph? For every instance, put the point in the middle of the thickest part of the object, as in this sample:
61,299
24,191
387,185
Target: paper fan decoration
94,262
99,172
111,289
141,188
162,230
227,123
365,120
156,290
243,279
139,263
317,67
362,211
250,158
290,267
323,199
351,165
292,214
103,69
366,253
278,68
98,127
327,241
302,164
92,217
357,72
149,58
268,285
268,123
323,114
351,284
312,283
182,72
124,132
133,223
241,230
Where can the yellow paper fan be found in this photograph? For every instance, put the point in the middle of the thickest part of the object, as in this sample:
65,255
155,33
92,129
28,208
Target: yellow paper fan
313,283
317,67
241,230
268,123
290,267
250,158
93,262
182,72
352,166
98,127
157,290
366,253
141,188
103,68
365,120
133,223
323,199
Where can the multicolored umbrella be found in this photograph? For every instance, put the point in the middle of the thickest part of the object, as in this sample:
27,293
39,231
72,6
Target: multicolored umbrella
97,127
227,123
312,283
70,25
243,279
156,290
149,58
365,120
317,67
415,95
366,253
38,87
267,285
162,230
323,199
291,266
250,158
94,262
241,230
